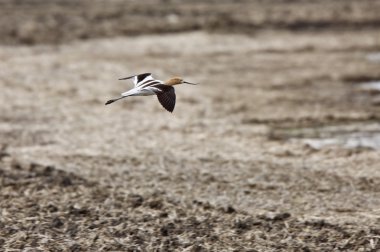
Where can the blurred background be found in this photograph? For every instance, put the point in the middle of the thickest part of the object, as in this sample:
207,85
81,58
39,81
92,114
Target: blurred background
277,149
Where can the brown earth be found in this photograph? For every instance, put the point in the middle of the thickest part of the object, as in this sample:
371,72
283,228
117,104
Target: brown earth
241,165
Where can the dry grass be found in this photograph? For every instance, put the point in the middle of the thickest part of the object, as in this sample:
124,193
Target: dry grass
58,21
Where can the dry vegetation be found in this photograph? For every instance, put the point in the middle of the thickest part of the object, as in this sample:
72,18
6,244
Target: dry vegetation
276,150
57,21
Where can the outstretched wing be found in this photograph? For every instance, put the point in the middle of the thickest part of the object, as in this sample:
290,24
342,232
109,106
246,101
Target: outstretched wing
166,97
139,78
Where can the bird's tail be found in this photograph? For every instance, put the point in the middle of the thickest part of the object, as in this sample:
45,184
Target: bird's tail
113,100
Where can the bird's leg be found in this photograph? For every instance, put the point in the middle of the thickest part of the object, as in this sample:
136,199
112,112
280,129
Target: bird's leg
113,100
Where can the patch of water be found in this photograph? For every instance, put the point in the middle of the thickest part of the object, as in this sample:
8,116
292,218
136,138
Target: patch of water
370,85
352,141
349,136
374,57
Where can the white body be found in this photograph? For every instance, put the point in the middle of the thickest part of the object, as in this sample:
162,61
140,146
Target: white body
138,92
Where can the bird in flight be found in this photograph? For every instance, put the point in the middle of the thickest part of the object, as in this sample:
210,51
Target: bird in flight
145,85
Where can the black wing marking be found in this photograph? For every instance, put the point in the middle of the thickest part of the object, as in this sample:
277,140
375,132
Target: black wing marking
140,77
137,79
166,97
149,83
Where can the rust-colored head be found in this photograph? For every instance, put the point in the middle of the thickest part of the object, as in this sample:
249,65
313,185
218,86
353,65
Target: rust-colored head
176,81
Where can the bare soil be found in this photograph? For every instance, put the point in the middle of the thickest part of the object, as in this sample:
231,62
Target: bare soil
236,167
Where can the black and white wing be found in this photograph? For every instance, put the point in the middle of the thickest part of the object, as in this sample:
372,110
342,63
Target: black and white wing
166,97
140,79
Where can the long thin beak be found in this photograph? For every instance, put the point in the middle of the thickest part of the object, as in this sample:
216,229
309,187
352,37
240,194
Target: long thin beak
190,83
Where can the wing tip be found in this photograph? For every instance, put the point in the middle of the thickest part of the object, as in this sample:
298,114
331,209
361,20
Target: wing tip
126,78
129,77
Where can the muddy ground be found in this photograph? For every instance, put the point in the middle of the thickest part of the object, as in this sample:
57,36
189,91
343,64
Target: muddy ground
277,148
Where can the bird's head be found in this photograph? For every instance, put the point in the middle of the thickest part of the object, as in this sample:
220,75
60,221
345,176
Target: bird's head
176,81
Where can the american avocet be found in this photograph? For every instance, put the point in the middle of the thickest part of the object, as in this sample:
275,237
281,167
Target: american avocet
145,85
